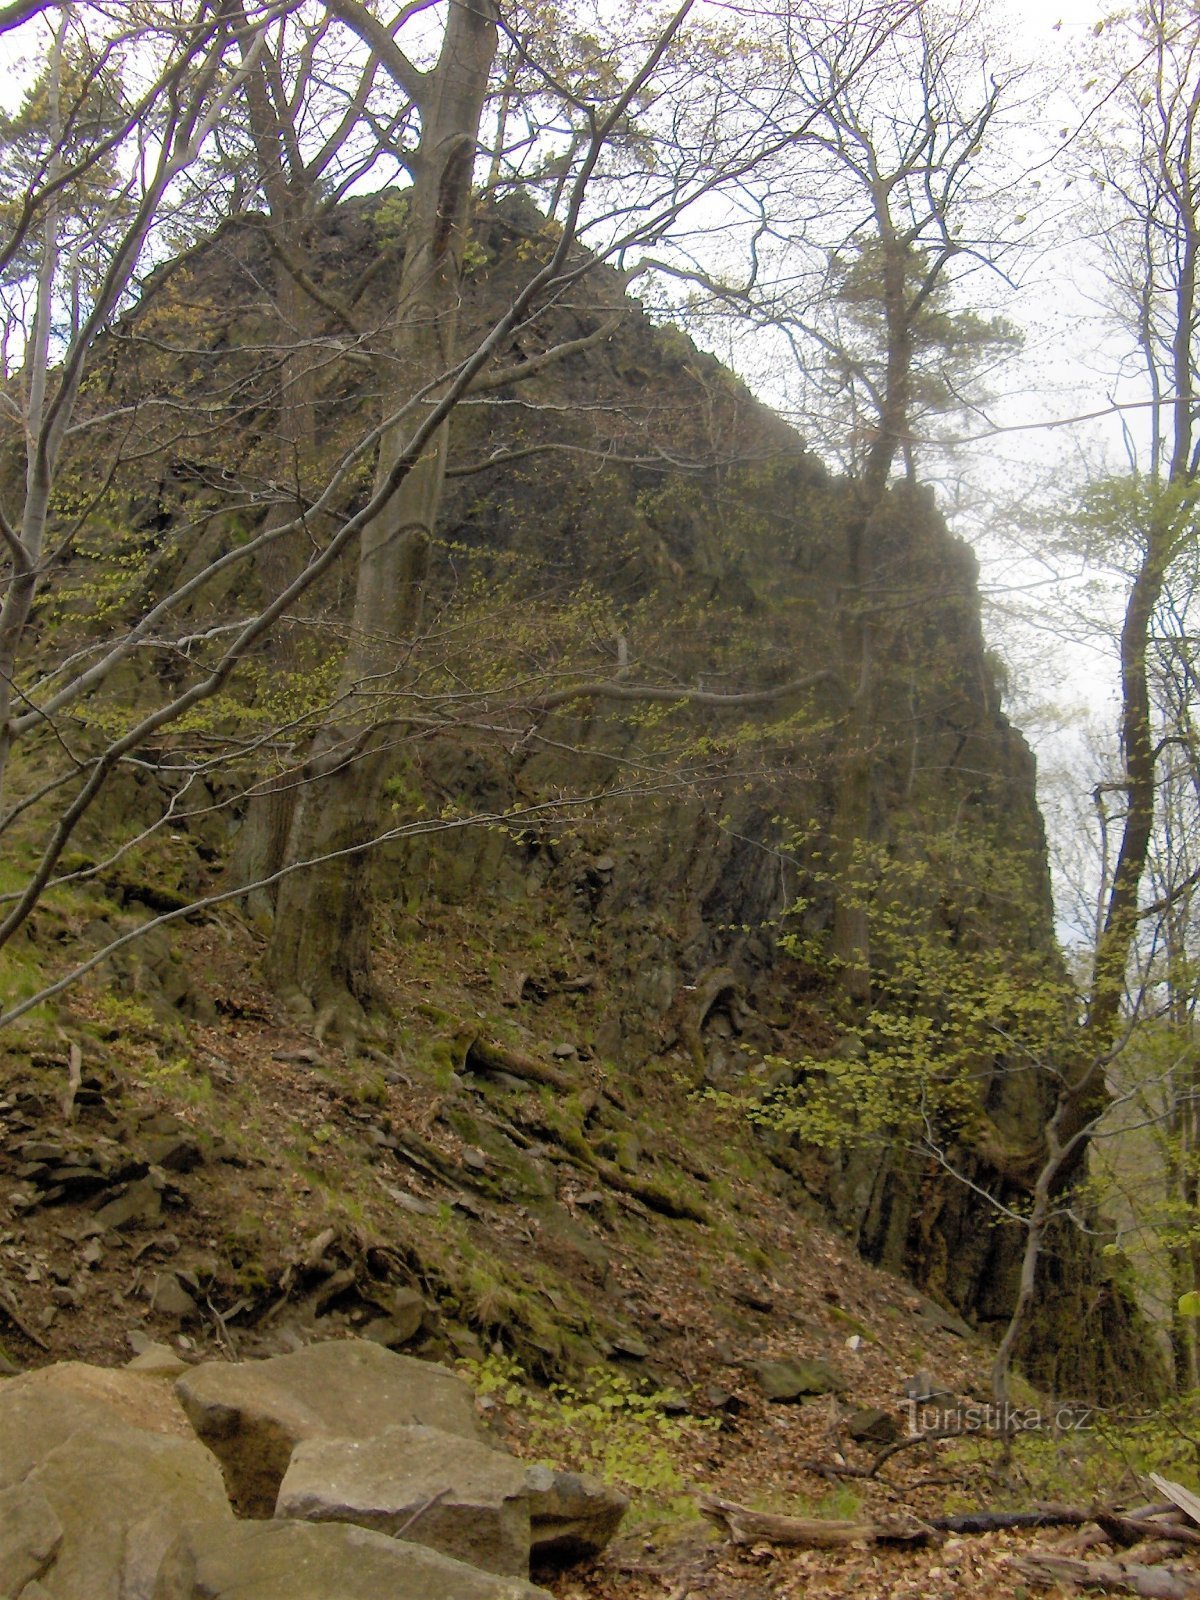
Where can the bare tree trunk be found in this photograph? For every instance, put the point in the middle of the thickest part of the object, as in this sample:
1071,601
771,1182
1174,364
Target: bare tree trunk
852,818
320,945
852,810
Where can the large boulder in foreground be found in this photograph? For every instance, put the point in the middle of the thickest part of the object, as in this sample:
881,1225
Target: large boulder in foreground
321,1561
253,1414
437,1489
89,1501
42,1409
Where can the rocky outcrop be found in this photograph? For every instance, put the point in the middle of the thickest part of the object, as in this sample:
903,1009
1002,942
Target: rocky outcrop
108,1493
702,549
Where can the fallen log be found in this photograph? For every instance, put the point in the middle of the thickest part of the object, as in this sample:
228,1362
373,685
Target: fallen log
1187,1502
743,1525
1126,1530
996,1521
1152,1583
485,1055
665,1201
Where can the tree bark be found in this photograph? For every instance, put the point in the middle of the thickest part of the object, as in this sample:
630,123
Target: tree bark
320,946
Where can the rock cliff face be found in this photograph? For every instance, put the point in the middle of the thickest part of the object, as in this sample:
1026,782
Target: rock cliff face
632,519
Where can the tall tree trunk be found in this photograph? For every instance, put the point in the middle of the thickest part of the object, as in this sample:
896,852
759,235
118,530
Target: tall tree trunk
855,765
852,813
320,944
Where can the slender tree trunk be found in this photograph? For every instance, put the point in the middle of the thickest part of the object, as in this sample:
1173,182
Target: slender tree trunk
852,814
852,809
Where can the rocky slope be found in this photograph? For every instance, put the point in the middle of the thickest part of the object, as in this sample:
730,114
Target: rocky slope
608,910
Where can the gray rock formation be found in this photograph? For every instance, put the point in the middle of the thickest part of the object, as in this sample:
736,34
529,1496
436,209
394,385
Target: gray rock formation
254,1413
321,1561
389,1491
455,1495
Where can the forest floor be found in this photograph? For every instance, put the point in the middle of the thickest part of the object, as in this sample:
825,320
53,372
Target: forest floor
236,1187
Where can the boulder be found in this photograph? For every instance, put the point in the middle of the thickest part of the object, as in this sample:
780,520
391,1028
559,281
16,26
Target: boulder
252,1414
437,1489
571,1515
122,1496
158,1361
794,1378
871,1425
30,1537
408,1316
41,1410
320,1561
94,1516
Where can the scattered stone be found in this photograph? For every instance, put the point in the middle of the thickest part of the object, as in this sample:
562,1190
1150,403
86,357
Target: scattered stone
79,1181
923,1387
627,1151
170,1298
382,1330
409,1313
630,1347
336,1284
572,1516
872,1426
317,1248
157,1361
718,1399
466,1344
160,1123
438,1489
174,1152
410,1202
754,1295
42,1150
252,1414
796,1379
141,1202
